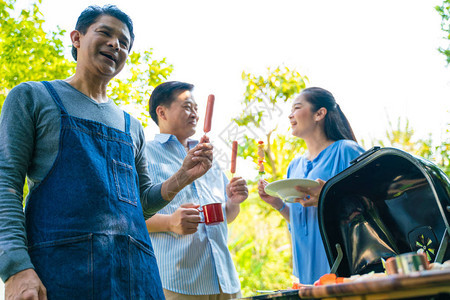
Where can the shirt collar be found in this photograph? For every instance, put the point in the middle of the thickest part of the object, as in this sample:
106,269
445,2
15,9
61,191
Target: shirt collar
165,137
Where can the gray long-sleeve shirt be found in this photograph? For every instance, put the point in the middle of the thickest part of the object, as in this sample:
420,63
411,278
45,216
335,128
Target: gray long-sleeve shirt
29,144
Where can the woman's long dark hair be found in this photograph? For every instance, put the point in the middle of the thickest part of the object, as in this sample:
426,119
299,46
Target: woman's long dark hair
336,126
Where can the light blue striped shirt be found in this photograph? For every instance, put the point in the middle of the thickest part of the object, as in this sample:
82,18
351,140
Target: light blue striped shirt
193,264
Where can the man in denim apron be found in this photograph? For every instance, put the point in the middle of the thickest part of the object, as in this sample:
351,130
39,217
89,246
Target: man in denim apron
84,219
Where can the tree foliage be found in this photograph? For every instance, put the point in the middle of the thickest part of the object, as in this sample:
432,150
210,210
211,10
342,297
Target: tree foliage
262,251
278,86
442,151
444,12
27,52
260,246
402,136
141,75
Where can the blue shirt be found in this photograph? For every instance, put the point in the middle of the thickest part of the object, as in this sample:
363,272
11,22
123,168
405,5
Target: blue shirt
193,264
309,257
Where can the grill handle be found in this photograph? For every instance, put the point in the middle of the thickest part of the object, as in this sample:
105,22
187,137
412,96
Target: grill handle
365,154
442,247
338,260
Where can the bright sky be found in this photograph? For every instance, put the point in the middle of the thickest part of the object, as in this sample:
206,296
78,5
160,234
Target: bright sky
377,57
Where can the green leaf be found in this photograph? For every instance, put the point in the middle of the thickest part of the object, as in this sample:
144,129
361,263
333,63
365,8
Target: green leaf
28,53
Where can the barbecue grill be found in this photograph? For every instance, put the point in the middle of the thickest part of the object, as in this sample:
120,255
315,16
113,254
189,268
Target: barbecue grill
386,203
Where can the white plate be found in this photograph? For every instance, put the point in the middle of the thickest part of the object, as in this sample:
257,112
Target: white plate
285,189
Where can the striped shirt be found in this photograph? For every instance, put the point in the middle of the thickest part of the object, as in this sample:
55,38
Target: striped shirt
194,264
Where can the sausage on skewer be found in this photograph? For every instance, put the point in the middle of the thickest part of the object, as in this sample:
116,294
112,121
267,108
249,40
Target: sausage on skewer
233,157
209,113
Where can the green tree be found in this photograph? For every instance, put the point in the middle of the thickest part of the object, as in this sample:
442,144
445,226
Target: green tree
260,246
402,136
259,239
132,89
444,12
442,152
27,52
278,86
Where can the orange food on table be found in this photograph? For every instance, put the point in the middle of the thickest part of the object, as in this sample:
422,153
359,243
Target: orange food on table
296,286
326,279
340,280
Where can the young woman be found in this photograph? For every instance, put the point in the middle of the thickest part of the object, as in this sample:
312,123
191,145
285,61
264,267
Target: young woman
317,119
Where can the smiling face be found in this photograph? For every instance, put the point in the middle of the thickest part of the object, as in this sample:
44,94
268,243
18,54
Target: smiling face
180,118
304,121
103,49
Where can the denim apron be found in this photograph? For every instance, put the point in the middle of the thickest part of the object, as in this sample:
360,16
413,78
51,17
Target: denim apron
86,232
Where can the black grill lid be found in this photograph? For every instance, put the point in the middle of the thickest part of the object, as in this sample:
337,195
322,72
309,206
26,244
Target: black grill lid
387,203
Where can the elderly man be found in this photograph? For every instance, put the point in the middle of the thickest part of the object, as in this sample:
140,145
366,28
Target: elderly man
83,233
193,257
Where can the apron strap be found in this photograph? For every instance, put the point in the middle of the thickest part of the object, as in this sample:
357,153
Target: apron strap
55,97
58,101
127,122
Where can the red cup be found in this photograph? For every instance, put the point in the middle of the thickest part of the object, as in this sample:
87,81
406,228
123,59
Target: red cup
212,213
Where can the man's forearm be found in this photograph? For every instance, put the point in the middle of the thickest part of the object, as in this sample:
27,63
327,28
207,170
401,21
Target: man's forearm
232,211
158,223
13,245
174,184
